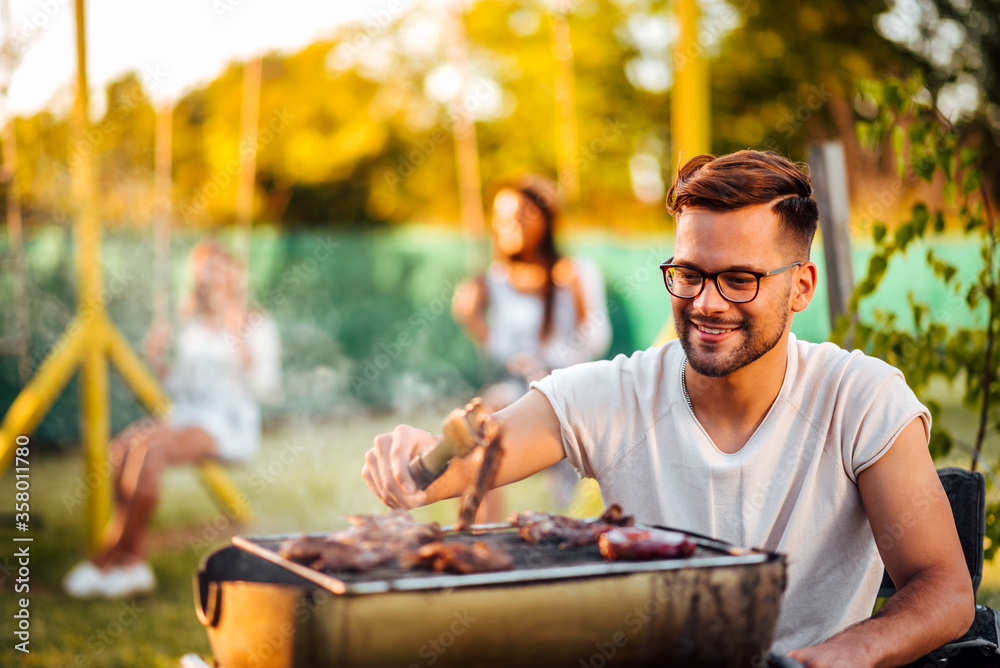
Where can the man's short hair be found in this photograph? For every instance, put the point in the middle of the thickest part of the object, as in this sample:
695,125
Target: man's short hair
746,178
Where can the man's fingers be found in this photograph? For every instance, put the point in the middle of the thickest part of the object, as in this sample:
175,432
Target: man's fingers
379,458
370,472
386,470
399,462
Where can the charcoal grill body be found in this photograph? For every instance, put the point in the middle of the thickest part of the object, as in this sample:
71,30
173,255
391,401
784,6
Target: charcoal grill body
713,609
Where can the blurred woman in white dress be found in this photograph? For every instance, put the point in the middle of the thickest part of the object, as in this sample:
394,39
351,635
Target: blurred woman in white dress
226,361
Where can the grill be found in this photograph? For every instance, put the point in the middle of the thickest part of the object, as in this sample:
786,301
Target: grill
541,562
556,607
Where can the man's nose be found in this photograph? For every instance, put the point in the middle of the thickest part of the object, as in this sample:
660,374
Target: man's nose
710,300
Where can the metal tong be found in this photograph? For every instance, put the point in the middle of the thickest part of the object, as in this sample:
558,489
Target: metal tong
464,430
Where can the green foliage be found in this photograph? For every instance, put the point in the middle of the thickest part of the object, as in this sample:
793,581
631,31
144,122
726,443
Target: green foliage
786,74
927,147
357,128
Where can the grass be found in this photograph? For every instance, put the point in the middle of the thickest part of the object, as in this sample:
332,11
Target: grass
306,476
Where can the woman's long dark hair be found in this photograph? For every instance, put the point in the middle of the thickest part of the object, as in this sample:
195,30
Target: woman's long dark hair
543,193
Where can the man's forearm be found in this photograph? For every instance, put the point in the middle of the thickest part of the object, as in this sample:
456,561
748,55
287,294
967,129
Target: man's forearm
919,618
452,482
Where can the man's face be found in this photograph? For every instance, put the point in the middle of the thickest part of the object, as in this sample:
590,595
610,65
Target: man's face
720,337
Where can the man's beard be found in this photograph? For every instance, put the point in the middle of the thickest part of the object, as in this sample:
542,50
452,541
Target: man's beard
717,365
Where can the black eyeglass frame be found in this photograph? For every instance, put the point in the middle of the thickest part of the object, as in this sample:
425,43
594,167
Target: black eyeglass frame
706,277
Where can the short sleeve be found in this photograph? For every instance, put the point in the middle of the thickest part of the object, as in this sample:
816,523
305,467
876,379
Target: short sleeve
594,414
877,406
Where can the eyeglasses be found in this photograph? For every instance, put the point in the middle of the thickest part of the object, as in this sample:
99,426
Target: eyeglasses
736,286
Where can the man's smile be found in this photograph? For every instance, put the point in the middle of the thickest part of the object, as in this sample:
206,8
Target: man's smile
715,329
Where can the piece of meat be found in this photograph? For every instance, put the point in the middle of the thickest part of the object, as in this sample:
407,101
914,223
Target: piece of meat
326,554
630,543
455,557
370,541
535,527
472,497
395,531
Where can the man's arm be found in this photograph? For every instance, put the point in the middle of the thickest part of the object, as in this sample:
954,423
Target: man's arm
915,532
531,442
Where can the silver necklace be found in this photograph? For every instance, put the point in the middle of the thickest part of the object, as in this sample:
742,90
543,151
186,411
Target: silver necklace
684,385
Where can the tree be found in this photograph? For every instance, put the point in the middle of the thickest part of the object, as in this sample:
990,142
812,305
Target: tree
928,146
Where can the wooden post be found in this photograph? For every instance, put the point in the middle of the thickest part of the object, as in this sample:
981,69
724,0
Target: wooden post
161,217
20,343
565,95
249,123
470,196
829,178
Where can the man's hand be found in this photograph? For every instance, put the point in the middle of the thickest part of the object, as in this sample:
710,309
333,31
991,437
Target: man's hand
833,654
386,468
531,442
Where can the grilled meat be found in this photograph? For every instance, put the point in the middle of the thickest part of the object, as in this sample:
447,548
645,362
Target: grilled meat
370,541
472,497
636,544
453,557
536,527
325,553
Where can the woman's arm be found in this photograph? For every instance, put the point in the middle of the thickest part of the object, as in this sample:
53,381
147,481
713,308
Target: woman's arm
155,348
468,307
593,325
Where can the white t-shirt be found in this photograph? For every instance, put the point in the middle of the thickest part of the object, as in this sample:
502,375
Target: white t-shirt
792,488
515,320
211,388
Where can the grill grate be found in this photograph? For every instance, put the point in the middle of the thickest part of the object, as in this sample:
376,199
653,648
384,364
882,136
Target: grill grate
531,562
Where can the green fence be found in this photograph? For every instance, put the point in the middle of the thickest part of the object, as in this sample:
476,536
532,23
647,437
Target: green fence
364,317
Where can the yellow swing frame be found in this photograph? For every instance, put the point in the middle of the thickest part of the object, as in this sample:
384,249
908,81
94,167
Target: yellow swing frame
90,340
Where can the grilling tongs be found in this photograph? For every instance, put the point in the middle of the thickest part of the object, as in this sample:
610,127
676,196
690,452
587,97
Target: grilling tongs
464,430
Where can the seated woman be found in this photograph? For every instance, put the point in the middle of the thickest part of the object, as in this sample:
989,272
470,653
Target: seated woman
226,360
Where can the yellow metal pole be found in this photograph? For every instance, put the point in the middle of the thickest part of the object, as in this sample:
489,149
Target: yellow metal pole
136,374
87,341
34,401
565,94
95,429
95,423
690,116
234,502
689,108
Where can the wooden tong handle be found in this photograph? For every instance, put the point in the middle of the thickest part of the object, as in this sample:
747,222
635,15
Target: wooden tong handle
463,432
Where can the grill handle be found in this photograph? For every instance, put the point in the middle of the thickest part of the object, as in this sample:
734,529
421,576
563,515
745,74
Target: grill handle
209,610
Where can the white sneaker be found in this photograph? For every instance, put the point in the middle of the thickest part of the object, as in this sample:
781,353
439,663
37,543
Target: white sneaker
122,581
84,580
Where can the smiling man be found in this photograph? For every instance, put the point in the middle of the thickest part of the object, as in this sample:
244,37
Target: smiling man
740,431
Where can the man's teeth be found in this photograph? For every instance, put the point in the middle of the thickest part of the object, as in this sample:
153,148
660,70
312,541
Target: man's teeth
711,330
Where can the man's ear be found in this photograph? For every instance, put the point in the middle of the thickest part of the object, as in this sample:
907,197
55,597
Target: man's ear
805,286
